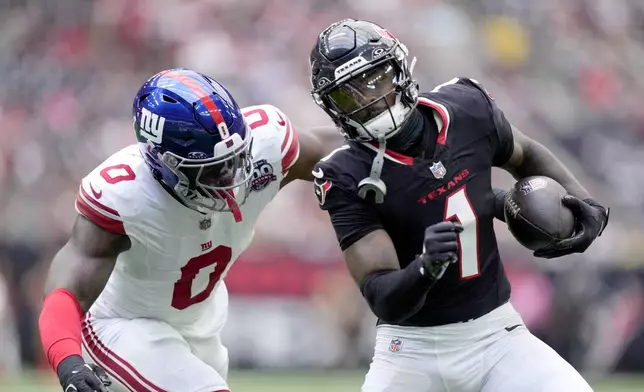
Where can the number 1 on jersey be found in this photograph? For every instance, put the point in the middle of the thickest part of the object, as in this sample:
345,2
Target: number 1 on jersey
458,206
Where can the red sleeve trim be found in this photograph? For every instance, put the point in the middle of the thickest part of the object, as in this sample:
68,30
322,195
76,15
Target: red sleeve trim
60,326
442,111
98,205
290,148
97,216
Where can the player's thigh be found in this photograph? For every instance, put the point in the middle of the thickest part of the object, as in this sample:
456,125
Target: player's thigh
399,368
212,352
522,362
146,355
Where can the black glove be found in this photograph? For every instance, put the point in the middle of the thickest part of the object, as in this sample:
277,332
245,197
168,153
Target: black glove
590,220
76,375
440,248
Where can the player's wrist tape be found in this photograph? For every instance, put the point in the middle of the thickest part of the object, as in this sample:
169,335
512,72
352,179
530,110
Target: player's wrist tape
60,326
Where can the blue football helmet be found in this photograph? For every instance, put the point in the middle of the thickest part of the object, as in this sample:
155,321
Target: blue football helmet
194,139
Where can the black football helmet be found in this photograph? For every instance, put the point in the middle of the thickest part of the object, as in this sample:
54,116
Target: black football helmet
361,78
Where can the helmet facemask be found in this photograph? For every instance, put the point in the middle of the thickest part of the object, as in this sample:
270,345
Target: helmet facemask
217,184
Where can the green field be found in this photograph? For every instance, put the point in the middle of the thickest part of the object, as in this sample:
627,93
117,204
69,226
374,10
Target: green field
305,382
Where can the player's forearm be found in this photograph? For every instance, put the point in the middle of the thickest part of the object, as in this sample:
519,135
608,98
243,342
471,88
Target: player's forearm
396,295
539,161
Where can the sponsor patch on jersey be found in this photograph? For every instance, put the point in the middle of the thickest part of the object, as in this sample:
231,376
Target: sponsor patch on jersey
533,185
438,170
262,175
321,189
395,345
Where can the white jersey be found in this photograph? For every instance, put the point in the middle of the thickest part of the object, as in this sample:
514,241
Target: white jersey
178,256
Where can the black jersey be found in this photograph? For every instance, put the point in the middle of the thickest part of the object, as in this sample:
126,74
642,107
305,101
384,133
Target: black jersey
452,182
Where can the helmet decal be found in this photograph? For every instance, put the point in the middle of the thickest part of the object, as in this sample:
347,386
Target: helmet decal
151,126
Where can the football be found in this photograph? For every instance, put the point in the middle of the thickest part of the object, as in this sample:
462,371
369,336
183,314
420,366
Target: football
535,214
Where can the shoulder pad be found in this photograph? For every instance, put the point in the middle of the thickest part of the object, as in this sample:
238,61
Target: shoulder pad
462,97
456,85
274,137
342,169
110,195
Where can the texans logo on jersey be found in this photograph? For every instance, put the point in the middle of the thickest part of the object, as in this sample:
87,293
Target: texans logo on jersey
321,189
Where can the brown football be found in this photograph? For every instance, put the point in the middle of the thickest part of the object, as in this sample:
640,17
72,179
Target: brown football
535,214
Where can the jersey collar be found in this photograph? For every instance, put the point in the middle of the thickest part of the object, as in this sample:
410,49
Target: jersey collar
392,155
443,119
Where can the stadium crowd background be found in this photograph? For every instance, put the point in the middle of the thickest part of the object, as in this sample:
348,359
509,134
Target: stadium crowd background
567,72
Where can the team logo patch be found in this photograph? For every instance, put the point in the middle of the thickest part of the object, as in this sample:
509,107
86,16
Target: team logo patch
438,170
151,126
321,189
262,175
395,345
533,185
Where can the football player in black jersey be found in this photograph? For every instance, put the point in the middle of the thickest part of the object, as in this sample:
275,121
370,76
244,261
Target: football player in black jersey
411,201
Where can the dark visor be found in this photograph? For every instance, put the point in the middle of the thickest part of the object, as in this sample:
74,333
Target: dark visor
219,174
368,94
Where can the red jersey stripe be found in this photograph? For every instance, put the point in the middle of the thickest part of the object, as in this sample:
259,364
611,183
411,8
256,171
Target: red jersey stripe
442,134
290,156
97,205
121,367
110,224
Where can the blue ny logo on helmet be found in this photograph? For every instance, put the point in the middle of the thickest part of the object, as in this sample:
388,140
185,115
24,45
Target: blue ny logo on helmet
194,138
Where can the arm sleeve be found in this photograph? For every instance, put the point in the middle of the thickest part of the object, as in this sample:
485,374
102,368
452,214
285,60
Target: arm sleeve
60,326
352,217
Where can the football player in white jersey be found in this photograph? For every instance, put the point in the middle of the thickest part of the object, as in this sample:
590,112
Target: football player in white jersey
136,297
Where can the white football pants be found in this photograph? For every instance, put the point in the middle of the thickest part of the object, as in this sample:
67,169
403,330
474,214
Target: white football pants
494,353
142,355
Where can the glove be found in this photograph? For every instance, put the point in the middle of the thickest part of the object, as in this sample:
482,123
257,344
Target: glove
440,248
77,376
590,220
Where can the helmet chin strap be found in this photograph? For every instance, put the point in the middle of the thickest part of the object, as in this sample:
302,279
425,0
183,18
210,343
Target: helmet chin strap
411,66
374,183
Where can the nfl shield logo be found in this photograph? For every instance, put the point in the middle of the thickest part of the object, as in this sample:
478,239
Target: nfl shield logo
396,345
205,224
438,170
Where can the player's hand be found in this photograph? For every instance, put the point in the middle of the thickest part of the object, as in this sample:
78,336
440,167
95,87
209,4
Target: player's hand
590,220
440,248
77,376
